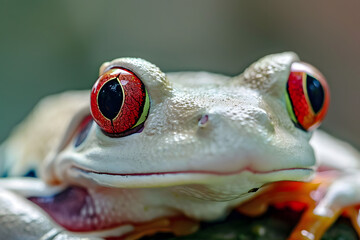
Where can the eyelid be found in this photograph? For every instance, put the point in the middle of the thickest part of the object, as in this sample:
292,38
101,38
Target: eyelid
308,68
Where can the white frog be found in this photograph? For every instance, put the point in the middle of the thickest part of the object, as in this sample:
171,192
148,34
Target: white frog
148,152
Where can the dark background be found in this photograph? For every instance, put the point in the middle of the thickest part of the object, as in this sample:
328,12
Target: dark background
51,46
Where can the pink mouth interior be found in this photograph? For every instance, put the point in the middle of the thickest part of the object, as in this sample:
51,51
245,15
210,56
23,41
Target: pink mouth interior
74,209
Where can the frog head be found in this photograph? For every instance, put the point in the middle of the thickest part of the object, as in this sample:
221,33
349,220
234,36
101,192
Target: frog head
147,129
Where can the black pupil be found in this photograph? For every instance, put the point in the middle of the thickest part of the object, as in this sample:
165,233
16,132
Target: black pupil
110,99
315,93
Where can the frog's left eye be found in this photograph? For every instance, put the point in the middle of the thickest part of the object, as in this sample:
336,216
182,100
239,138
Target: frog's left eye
119,102
307,96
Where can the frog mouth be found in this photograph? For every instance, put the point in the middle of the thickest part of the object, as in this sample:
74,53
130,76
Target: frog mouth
174,178
75,209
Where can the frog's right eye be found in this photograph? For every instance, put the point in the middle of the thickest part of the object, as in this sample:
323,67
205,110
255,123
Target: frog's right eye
119,102
307,96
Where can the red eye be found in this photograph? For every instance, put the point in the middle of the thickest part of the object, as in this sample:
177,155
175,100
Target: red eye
307,96
119,102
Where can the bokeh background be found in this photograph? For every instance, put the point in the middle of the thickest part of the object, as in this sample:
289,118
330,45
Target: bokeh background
52,46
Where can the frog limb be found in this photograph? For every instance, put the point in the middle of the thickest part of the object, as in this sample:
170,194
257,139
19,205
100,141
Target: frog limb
324,199
29,221
354,215
24,150
28,187
341,197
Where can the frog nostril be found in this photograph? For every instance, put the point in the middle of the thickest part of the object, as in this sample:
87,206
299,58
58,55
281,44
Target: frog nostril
203,120
253,190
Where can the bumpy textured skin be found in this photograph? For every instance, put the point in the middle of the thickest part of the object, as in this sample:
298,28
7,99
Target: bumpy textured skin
208,140
246,121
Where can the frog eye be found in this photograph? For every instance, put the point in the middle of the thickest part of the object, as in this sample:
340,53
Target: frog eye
307,96
119,102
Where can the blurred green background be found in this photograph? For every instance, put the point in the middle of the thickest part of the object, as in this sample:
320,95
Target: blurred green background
52,46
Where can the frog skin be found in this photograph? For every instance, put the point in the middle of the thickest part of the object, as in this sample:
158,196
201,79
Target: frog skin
210,144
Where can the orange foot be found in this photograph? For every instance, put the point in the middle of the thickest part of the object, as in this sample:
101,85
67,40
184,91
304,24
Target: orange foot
319,214
178,226
323,200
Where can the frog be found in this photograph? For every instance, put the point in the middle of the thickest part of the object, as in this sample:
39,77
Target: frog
146,152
